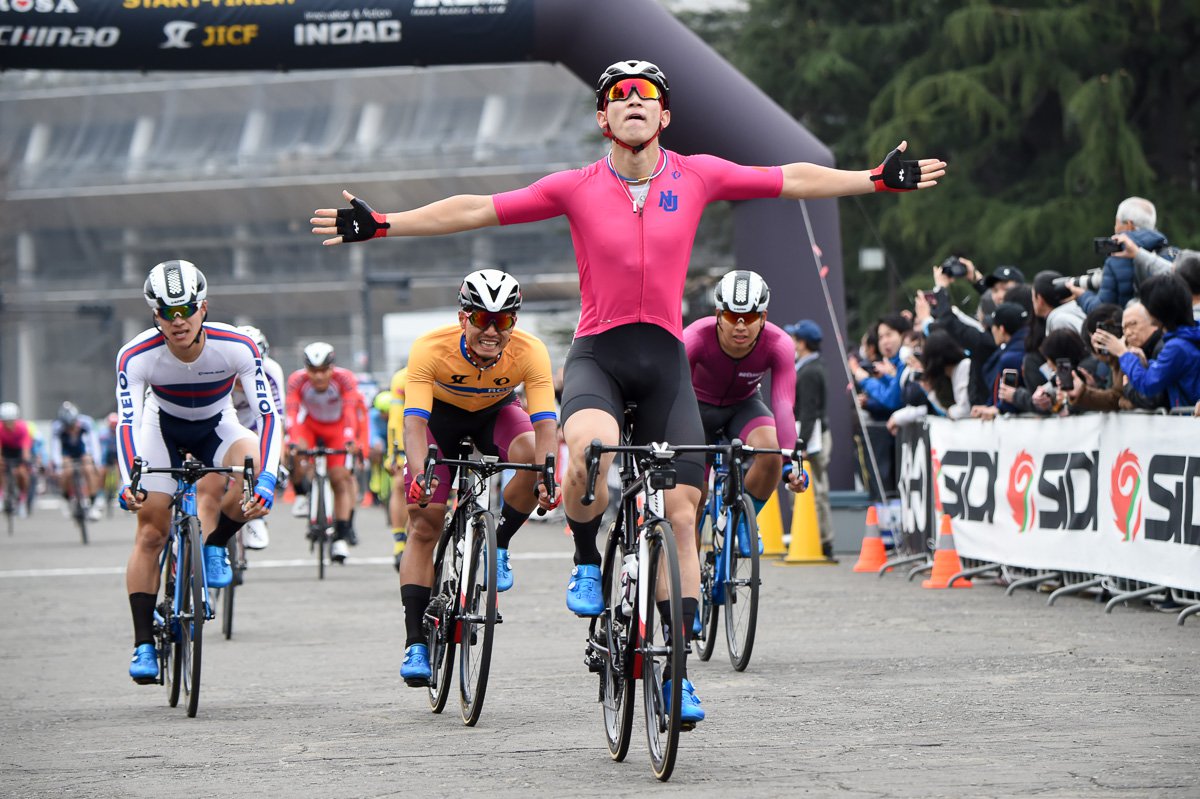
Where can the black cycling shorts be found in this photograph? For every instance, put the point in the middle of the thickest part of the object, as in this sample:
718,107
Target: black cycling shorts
640,363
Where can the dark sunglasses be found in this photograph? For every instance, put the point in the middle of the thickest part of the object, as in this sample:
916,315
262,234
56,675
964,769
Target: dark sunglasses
503,320
749,317
624,89
169,312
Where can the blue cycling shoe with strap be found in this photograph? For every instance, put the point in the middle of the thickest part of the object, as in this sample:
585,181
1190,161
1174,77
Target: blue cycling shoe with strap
143,666
504,578
583,592
690,711
415,669
217,570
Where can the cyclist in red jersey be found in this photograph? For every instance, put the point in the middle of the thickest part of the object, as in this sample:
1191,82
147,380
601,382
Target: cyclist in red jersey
325,408
633,217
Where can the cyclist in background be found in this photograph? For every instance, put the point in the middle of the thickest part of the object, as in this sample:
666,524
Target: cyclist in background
633,218
74,444
462,382
16,446
730,353
189,366
256,535
107,435
325,408
392,407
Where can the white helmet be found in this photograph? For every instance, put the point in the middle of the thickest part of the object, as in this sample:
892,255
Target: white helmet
9,412
742,291
632,69
491,290
175,283
318,355
257,337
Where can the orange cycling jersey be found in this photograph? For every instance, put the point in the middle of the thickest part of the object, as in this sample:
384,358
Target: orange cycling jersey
439,368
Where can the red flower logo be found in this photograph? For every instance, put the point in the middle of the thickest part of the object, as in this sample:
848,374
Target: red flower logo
1020,490
1127,495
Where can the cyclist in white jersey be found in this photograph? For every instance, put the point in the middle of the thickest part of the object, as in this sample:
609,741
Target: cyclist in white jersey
256,534
173,386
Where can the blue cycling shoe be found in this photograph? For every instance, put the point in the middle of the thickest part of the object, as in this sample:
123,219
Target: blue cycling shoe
415,669
690,711
583,592
743,538
697,625
504,579
216,566
143,666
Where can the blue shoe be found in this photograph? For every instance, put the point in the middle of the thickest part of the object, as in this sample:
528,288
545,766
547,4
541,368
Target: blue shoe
216,566
583,592
143,666
690,711
743,537
504,578
697,625
415,669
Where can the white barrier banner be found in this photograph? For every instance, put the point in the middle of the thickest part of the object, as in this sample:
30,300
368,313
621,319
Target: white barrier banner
1112,494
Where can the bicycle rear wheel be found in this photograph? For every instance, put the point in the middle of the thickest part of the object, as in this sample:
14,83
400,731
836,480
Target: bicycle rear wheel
238,563
78,509
477,618
741,587
168,622
440,620
318,527
662,650
613,632
191,616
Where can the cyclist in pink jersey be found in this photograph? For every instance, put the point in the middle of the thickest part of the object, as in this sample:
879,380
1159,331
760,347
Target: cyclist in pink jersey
729,354
16,446
633,218
325,408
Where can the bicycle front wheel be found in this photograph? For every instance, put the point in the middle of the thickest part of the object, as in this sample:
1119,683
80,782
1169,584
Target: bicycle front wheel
441,622
80,510
318,527
168,623
477,617
613,634
741,586
191,615
710,545
662,650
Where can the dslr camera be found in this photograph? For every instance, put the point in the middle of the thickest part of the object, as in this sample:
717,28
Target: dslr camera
1088,281
954,267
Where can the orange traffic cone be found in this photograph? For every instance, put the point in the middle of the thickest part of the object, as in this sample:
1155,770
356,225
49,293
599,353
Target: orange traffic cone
872,556
368,499
945,561
805,546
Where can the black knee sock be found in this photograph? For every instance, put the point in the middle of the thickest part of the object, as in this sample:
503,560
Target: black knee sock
301,487
415,599
341,529
584,534
226,529
142,607
511,520
690,608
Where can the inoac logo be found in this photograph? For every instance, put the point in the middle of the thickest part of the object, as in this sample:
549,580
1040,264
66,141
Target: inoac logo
1020,491
1127,495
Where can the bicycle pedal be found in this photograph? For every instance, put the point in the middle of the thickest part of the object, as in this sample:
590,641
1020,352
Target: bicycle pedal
146,680
594,663
417,682
687,726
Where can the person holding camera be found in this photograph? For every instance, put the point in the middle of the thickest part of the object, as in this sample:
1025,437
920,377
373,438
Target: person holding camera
1176,369
1062,350
879,393
1054,302
1094,391
1002,374
1148,264
1135,220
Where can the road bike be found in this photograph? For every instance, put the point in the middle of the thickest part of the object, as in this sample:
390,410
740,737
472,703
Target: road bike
639,635
11,494
79,494
321,505
183,604
462,607
729,546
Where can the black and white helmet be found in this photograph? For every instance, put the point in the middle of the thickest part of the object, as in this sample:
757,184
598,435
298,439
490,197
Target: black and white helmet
318,355
742,291
257,337
632,69
175,283
490,290
68,414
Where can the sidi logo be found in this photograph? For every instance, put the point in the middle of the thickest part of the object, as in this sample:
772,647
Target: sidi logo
1068,483
1020,491
970,485
1171,482
1126,495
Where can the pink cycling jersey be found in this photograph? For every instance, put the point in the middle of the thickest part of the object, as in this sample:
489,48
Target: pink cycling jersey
16,437
721,380
633,259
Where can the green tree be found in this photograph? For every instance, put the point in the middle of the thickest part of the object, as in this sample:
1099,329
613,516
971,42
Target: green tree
1049,112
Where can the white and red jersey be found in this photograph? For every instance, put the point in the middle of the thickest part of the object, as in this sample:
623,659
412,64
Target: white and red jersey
193,391
341,402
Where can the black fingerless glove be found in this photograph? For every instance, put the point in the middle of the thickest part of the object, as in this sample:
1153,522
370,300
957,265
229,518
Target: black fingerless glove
896,174
360,222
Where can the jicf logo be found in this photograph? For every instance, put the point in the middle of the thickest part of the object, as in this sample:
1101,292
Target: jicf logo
1020,490
668,201
1127,495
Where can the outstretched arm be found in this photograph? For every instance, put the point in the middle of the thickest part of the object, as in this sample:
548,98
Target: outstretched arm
359,222
803,181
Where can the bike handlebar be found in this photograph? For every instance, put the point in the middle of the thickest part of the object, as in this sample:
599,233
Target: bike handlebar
491,465
190,472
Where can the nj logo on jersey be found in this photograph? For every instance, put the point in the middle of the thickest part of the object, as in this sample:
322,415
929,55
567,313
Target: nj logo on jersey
668,201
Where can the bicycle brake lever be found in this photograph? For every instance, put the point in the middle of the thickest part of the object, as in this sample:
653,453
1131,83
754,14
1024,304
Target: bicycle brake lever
593,470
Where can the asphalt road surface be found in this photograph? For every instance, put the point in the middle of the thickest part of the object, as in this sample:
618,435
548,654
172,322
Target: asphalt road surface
858,687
